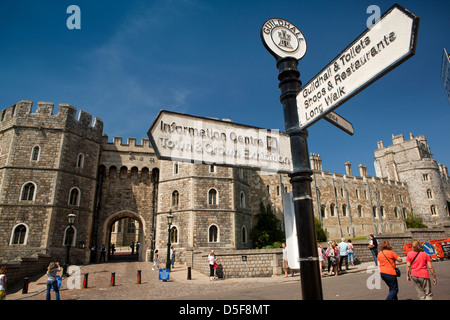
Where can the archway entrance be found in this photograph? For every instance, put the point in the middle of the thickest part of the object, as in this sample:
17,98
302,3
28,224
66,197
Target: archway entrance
125,234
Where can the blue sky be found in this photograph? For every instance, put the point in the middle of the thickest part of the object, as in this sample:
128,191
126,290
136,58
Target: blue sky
205,57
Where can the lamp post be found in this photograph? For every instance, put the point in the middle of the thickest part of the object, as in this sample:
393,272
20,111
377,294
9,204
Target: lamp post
169,221
69,237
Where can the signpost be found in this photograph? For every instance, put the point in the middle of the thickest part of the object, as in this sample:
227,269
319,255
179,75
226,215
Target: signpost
445,73
377,51
182,137
340,122
381,48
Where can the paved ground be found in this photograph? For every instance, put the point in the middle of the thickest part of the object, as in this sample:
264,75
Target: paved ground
152,288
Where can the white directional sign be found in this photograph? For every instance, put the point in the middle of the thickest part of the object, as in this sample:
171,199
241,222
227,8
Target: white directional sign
445,73
340,122
182,137
381,48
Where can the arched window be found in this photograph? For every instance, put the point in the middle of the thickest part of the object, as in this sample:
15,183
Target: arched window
212,196
35,153
344,210
19,234
28,192
80,161
332,209
174,234
69,236
213,233
360,211
242,200
322,211
244,234
429,194
74,197
175,198
434,211
374,211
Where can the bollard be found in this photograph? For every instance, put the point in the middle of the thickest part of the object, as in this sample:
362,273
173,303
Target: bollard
26,282
138,281
113,279
85,280
189,273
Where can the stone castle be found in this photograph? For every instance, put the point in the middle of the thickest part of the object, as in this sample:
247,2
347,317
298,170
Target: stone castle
52,164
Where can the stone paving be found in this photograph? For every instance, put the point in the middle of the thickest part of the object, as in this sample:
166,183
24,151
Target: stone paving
151,288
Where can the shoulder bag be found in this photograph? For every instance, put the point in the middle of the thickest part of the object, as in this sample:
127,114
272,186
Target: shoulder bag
397,270
410,266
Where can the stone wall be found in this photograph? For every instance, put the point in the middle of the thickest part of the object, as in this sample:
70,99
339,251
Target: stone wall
241,263
26,267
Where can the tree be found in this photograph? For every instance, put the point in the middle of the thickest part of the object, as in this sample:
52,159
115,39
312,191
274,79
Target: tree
268,228
321,234
414,221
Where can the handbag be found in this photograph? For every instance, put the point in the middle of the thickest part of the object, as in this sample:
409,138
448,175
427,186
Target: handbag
397,270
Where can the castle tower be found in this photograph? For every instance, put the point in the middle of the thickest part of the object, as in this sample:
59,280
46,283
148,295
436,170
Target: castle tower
48,167
411,162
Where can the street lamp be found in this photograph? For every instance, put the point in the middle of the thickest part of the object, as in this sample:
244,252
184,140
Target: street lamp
69,237
169,221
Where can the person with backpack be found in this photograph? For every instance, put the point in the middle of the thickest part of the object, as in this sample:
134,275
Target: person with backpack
417,262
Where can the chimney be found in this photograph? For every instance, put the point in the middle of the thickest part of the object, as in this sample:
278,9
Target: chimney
348,168
362,170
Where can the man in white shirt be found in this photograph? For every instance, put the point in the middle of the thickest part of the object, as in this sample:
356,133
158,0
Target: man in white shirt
343,254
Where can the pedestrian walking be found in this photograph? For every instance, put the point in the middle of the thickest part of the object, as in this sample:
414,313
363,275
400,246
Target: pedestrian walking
102,253
155,260
373,247
417,262
52,283
212,263
343,254
3,283
285,262
332,259
387,259
172,256
320,254
350,252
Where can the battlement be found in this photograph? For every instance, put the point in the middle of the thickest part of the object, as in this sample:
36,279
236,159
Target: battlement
130,145
21,113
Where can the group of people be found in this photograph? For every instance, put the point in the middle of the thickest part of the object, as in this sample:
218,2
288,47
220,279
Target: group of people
156,258
417,264
336,254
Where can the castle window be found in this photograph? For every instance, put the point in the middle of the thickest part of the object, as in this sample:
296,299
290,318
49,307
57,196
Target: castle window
175,198
212,169
425,177
374,211
322,211
74,197
213,233
429,194
19,234
80,161
396,212
244,234
360,211
69,236
332,210
176,168
243,205
35,153
433,210
382,211
28,192
268,190
344,210
174,234
357,194
212,196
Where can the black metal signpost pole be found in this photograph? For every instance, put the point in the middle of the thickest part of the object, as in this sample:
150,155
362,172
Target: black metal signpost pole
300,180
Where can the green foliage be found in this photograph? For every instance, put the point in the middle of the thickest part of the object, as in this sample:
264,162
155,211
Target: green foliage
268,229
321,234
413,221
